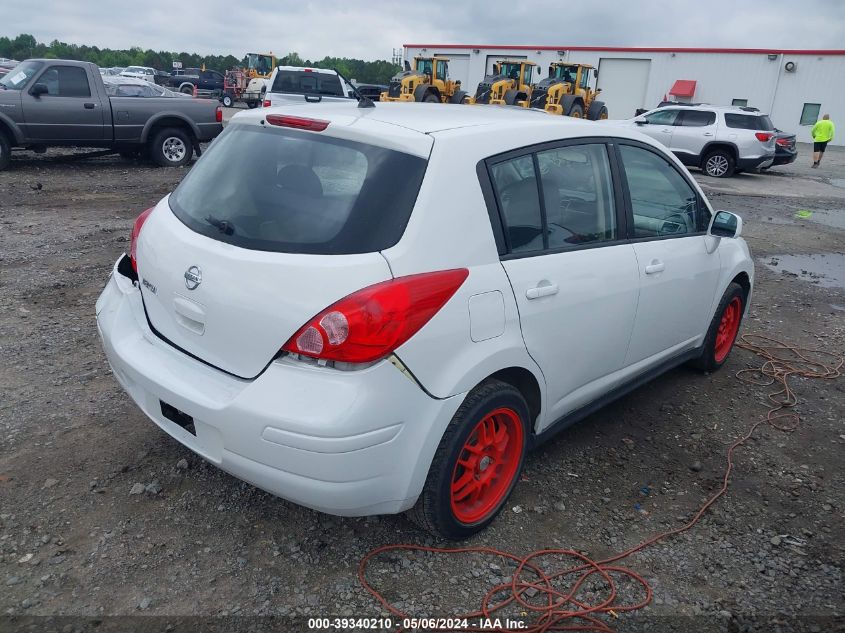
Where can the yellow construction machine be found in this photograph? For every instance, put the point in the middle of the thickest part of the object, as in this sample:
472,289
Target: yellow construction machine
428,81
567,91
509,84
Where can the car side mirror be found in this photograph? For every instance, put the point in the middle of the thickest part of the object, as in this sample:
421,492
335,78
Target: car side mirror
726,224
38,90
641,120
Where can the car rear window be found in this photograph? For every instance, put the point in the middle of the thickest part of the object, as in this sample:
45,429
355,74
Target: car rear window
304,82
749,122
289,191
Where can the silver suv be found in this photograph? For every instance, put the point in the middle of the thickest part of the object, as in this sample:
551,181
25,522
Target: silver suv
721,140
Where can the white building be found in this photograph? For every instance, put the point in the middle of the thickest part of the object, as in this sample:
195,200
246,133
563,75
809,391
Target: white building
794,86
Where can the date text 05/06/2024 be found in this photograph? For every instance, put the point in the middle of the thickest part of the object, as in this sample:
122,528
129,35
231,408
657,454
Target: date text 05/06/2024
419,624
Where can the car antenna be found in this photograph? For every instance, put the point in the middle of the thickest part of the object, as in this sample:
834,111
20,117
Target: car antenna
363,102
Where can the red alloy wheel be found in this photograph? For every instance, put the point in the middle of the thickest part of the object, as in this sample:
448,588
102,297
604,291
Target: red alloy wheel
486,466
728,327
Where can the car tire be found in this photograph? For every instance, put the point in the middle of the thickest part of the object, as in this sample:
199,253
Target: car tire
5,151
227,101
719,164
171,147
721,335
186,90
431,98
446,511
251,104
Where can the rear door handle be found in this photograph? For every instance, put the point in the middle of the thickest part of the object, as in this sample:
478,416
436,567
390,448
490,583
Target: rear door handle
90,106
541,290
656,266
708,134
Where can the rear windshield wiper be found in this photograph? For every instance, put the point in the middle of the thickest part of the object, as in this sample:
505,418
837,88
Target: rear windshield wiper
222,225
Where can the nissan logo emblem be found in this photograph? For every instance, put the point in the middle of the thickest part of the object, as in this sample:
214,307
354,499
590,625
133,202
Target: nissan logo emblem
193,278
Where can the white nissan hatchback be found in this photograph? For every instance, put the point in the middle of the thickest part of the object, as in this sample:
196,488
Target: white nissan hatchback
371,310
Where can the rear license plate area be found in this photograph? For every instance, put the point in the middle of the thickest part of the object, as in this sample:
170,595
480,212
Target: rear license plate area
178,417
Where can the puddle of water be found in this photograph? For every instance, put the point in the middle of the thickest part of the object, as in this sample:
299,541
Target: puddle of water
827,269
836,306
774,220
838,182
830,217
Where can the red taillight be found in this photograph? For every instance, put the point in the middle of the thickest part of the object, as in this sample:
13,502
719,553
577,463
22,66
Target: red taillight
369,324
301,123
764,136
783,142
133,240
218,115
267,103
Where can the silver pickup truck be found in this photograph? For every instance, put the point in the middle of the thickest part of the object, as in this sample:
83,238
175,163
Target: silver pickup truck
55,102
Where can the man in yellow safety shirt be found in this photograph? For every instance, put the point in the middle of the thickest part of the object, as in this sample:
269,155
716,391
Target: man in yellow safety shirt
822,134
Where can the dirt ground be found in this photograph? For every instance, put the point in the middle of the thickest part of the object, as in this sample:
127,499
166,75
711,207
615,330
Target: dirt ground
198,545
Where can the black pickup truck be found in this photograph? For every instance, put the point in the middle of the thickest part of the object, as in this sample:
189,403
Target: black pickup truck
54,102
207,82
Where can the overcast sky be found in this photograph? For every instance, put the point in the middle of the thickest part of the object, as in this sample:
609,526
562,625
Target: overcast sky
370,30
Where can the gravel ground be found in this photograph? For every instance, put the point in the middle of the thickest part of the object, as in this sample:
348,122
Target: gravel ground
112,525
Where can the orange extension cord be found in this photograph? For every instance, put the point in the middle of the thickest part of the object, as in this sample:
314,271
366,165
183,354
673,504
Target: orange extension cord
556,609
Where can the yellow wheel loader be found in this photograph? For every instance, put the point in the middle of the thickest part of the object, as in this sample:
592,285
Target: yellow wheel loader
510,84
428,82
567,91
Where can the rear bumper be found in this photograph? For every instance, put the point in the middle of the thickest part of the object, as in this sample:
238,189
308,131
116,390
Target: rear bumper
785,158
755,162
343,442
209,131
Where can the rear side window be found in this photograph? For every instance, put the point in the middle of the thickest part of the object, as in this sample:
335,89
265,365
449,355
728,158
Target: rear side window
696,118
577,194
299,192
749,122
302,82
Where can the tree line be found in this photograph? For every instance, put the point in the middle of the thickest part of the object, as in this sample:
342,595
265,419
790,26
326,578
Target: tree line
25,46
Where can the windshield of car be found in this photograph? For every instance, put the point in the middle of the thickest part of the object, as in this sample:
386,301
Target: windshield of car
304,82
749,122
283,190
17,78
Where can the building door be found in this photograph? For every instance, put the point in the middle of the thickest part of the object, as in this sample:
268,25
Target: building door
459,69
623,83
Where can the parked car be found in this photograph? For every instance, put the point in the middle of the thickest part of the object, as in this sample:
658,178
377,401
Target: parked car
373,310
720,140
293,83
55,102
110,72
786,150
140,72
6,65
207,82
131,87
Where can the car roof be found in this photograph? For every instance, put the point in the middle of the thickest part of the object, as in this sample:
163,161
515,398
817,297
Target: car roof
310,69
715,108
427,118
